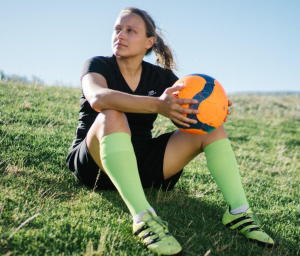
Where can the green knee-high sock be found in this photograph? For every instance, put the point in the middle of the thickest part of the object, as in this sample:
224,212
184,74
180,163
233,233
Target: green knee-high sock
119,162
222,165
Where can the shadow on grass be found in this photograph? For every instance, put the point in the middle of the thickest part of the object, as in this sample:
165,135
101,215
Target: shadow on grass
195,222
197,225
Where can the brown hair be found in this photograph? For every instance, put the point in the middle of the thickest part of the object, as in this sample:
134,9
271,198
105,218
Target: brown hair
164,56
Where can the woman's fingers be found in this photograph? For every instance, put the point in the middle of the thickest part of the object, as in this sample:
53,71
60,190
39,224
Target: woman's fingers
186,101
187,110
177,121
183,119
175,88
228,111
178,116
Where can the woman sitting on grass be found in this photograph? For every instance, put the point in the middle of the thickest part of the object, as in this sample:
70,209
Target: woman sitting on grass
121,97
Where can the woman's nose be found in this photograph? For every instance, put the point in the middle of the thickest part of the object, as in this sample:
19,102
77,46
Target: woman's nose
120,35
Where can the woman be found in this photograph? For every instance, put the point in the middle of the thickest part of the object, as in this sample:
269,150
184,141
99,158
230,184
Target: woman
113,148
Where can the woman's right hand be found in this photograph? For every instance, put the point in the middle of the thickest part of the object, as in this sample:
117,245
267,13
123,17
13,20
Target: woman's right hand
169,106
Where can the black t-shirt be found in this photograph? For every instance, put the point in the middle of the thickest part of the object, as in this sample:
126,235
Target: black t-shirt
154,80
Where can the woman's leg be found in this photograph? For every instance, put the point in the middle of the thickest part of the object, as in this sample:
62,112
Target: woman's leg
222,164
109,143
183,147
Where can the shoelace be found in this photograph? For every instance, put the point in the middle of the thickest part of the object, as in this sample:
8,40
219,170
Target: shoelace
255,221
160,227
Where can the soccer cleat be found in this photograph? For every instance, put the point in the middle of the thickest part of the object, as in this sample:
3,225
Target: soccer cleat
248,225
155,235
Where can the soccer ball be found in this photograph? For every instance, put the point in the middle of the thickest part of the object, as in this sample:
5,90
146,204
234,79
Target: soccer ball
212,103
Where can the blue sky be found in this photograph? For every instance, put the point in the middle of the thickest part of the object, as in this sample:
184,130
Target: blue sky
246,45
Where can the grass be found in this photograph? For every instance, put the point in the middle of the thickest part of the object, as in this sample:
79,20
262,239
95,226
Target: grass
45,211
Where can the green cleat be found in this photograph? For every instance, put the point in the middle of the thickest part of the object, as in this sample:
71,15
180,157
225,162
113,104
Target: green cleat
155,235
248,225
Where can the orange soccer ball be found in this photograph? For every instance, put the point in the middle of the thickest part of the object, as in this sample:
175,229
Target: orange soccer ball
212,103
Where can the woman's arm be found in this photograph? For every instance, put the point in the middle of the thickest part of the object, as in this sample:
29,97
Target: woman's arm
100,97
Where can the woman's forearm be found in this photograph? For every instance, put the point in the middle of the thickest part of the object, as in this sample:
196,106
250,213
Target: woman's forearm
111,99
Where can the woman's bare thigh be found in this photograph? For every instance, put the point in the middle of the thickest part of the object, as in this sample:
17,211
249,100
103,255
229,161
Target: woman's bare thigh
183,147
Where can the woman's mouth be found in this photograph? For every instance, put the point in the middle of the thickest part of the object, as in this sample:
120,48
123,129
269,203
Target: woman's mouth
119,44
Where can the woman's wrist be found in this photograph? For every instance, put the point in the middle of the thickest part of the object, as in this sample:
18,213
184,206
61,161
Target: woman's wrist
153,104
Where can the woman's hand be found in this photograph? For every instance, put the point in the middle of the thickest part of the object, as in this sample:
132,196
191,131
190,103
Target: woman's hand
228,111
169,106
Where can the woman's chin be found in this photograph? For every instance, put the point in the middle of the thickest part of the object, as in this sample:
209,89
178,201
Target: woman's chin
119,55
120,52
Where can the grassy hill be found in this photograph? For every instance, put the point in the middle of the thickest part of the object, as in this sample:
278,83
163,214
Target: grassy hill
45,211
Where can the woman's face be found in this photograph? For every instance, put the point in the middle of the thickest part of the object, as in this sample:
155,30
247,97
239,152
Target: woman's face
129,37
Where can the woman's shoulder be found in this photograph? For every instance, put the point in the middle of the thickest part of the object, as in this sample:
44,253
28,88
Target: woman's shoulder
98,64
163,73
101,59
158,69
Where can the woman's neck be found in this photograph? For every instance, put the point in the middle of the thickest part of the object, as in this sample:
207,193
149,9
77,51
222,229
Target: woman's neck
129,67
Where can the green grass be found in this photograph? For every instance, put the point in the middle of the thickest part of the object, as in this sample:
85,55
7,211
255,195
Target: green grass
45,211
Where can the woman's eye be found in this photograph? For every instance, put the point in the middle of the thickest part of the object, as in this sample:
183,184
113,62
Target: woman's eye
130,30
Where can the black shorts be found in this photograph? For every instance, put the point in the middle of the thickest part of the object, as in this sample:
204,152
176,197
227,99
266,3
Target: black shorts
149,155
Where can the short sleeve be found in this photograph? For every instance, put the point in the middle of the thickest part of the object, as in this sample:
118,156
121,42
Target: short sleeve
95,65
171,78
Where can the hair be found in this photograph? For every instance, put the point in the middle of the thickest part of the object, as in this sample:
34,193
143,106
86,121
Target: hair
164,56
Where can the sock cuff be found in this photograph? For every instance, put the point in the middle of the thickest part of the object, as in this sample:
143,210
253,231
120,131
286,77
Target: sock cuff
217,147
115,142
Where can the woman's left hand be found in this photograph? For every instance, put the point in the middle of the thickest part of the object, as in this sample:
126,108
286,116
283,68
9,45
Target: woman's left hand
228,111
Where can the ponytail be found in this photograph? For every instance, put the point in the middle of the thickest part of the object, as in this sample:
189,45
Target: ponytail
164,55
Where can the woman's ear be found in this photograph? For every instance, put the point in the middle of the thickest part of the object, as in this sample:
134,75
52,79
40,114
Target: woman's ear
150,42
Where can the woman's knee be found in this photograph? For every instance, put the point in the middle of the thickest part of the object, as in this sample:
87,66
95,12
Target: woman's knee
217,134
111,114
107,122
111,121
